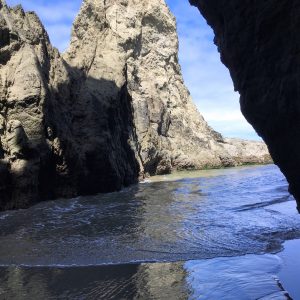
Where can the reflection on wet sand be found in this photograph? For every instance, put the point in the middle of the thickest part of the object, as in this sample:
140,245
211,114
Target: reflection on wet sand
132,281
246,277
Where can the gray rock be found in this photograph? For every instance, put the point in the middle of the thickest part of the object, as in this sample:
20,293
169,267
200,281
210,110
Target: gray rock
58,138
136,45
111,110
16,139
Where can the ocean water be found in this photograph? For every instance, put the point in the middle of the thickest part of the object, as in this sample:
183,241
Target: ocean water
195,235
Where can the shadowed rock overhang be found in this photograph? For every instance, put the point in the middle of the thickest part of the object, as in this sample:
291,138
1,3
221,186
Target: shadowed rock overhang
259,43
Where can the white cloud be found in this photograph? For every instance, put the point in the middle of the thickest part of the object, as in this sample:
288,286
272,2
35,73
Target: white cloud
59,35
226,115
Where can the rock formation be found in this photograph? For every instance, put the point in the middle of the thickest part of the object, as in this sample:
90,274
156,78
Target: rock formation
258,43
58,136
112,109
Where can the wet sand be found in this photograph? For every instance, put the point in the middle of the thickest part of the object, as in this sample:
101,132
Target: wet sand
267,276
290,273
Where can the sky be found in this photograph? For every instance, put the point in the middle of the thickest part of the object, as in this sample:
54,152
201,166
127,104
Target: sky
205,76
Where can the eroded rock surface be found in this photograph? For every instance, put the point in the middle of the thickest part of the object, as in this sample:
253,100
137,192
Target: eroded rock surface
113,109
58,136
258,43
135,44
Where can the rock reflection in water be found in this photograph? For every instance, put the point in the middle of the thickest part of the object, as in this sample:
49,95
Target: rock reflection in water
244,278
132,281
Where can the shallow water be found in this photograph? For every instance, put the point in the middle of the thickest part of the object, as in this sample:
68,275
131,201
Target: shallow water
63,248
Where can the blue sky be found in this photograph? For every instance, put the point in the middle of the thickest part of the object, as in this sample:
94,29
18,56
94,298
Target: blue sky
207,79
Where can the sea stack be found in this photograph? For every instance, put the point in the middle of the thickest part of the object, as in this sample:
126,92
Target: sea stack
135,45
111,110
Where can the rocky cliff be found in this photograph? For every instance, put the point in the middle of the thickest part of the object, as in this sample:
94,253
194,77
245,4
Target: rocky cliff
112,109
258,43
58,136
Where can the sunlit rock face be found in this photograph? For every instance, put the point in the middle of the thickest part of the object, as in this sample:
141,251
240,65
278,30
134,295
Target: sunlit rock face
111,110
135,44
258,42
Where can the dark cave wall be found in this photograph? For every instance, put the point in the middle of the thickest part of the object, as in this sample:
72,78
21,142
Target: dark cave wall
259,42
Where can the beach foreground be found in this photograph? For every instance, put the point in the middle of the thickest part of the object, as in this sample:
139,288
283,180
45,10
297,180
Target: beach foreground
214,234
